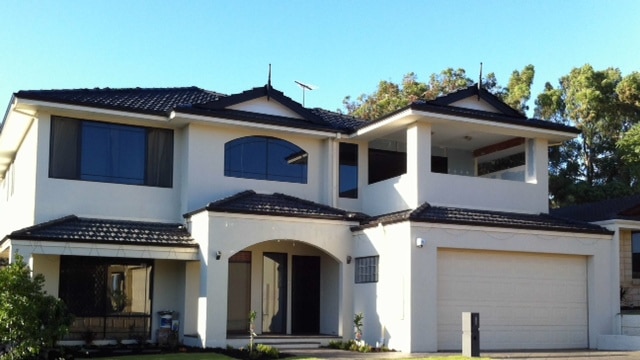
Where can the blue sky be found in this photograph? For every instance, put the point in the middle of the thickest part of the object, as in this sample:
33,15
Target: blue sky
342,47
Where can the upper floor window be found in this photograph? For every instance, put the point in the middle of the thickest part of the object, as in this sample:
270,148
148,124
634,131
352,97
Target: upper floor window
113,153
265,158
348,170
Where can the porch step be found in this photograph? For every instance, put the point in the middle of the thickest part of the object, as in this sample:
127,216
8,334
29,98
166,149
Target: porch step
282,345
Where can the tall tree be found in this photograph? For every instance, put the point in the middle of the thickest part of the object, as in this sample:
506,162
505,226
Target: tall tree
590,100
518,89
390,96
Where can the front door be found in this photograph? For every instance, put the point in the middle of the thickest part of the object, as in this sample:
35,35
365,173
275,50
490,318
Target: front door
274,293
305,295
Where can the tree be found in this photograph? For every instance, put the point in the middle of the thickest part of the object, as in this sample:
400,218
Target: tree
518,89
390,96
600,104
29,319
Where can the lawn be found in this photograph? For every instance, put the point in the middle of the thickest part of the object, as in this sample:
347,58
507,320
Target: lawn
214,356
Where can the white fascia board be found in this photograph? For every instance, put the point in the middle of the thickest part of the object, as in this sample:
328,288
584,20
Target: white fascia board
304,220
27,105
106,250
409,115
533,132
403,115
248,124
616,224
495,229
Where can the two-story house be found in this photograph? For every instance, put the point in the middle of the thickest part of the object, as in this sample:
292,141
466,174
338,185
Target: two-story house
136,201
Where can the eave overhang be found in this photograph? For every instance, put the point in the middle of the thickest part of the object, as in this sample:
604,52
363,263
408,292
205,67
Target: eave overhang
182,117
489,122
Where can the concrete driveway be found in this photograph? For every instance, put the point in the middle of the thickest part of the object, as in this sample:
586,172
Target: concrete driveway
556,355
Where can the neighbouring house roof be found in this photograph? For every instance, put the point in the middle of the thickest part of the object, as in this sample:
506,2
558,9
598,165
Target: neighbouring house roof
474,217
118,232
250,202
625,208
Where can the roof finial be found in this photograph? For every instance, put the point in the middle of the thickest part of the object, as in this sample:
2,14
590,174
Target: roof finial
269,82
480,81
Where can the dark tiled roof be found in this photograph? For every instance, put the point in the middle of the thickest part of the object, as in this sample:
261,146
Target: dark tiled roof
485,95
160,101
260,118
626,208
157,101
75,229
491,116
250,202
341,122
473,217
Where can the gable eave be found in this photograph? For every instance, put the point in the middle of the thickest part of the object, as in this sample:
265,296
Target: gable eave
258,93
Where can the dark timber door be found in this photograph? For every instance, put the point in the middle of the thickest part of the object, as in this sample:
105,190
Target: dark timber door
305,295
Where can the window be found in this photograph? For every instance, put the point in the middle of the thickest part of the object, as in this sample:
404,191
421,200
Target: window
501,164
635,255
113,153
367,269
93,286
265,158
348,170
440,164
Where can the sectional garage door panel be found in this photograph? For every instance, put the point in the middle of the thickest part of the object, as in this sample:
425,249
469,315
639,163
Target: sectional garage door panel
525,301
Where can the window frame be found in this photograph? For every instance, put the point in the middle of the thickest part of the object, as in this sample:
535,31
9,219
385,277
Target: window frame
292,168
366,269
348,170
68,152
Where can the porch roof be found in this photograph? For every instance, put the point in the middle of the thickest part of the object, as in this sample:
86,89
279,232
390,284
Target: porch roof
75,229
277,204
475,217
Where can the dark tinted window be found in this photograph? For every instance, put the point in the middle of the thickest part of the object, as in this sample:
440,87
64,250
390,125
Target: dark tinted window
265,158
113,153
348,170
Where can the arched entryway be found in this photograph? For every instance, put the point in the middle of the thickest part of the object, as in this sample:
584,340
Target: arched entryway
293,287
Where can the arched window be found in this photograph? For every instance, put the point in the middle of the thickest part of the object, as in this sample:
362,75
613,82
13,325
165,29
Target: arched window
265,158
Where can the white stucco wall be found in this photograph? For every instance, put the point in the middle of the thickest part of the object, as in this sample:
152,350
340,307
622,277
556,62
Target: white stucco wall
168,292
17,207
204,155
59,197
386,305
49,266
230,233
415,328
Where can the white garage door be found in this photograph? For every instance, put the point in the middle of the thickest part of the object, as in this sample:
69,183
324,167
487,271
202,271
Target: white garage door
525,301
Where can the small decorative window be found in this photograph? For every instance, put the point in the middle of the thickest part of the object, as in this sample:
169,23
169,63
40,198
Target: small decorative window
265,158
367,269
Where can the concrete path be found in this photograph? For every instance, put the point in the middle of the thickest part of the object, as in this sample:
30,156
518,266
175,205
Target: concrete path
556,355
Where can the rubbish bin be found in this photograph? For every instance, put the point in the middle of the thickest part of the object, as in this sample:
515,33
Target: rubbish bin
470,334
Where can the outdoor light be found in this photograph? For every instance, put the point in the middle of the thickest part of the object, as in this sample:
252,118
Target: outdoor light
218,255
419,242
348,259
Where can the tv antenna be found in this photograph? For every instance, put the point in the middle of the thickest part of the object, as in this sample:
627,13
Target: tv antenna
305,87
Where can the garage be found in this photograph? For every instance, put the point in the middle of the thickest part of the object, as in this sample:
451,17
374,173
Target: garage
525,300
